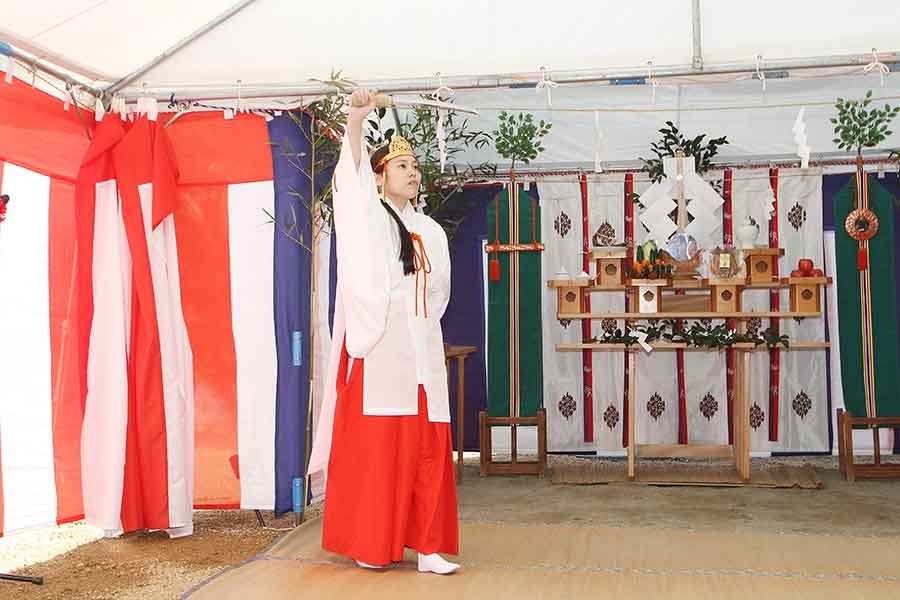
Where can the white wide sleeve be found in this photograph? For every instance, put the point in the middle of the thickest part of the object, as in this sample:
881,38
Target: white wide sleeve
439,292
363,246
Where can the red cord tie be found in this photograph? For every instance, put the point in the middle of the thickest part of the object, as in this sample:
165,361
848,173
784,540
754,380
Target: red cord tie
423,265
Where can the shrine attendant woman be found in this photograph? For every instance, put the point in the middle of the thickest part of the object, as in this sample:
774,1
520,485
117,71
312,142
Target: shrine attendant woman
385,417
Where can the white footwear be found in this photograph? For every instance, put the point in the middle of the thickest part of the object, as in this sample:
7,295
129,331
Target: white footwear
368,566
433,563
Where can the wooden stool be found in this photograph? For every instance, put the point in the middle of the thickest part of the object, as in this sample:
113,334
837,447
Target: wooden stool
848,468
513,467
460,353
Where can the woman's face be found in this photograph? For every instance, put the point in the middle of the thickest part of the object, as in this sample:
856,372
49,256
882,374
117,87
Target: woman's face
403,178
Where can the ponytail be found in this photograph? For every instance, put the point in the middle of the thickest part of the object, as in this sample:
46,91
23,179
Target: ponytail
406,247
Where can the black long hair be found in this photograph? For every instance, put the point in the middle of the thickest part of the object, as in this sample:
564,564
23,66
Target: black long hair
406,247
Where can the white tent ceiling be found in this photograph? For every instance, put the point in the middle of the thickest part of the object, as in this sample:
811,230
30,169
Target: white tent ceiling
289,41
273,44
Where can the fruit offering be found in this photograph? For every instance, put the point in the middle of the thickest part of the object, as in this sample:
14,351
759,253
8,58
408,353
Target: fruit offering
805,269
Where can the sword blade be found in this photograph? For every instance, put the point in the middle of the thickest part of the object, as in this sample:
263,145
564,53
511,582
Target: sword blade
408,103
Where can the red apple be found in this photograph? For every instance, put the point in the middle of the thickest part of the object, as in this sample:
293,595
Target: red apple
818,273
805,265
797,274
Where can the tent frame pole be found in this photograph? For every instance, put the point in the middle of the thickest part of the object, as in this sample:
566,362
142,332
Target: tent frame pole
697,61
37,64
627,75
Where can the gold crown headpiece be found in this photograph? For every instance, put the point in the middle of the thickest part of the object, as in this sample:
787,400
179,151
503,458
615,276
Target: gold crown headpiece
398,147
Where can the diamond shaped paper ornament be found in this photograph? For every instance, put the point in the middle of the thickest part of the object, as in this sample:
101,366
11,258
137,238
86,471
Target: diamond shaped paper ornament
672,192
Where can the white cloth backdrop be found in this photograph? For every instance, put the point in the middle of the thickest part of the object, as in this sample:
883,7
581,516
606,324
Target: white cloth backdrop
656,376
606,197
705,372
750,193
561,233
803,373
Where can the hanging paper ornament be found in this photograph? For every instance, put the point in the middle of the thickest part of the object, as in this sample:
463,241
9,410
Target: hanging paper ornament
441,140
877,66
598,143
8,69
99,110
672,192
799,130
546,84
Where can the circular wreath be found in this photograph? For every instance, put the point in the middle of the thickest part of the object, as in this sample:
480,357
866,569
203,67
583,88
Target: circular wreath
861,224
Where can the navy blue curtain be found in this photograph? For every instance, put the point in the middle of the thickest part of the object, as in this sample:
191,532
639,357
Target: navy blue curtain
463,322
290,143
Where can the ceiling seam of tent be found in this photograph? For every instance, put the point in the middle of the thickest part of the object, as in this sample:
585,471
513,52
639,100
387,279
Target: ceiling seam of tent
68,19
177,47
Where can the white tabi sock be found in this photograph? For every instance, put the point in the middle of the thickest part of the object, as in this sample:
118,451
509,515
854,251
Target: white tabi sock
434,563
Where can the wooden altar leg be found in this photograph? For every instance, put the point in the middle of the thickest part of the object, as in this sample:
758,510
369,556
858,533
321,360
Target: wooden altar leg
842,449
460,412
742,400
737,425
631,416
848,444
542,439
877,445
485,442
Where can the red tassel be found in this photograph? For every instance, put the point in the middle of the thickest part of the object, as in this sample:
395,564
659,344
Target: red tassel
862,259
494,269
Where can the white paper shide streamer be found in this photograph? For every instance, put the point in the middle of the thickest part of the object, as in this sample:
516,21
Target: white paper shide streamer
598,143
546,84
799,130
441,140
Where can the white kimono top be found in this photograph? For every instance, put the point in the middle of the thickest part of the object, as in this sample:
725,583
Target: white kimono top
391,320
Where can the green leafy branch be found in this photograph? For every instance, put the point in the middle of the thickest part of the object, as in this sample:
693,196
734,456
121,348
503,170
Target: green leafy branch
858,126
673,140
700,334
518,138
323,132
289,228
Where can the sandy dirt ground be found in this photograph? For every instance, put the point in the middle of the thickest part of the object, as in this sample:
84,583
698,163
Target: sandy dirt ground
149,565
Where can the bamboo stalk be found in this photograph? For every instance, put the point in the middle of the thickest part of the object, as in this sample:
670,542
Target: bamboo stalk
315,224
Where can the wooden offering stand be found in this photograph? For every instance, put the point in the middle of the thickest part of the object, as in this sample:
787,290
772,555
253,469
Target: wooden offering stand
761,264
722,300
610,267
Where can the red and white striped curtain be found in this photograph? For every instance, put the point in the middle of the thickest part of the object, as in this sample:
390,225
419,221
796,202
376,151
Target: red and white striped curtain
137,354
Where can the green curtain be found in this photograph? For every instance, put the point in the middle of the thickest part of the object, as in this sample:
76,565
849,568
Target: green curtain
883,300
530,352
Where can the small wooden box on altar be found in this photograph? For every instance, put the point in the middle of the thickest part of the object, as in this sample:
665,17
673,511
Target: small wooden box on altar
610,267
761,263
646,294
806,293
725,294
569,295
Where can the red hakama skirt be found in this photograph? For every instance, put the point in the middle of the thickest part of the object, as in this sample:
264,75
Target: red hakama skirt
391,482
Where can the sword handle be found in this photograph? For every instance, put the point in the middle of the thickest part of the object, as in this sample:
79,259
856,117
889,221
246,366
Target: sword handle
381,101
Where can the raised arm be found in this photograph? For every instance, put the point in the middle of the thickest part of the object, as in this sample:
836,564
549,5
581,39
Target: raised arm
362,102
363,238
